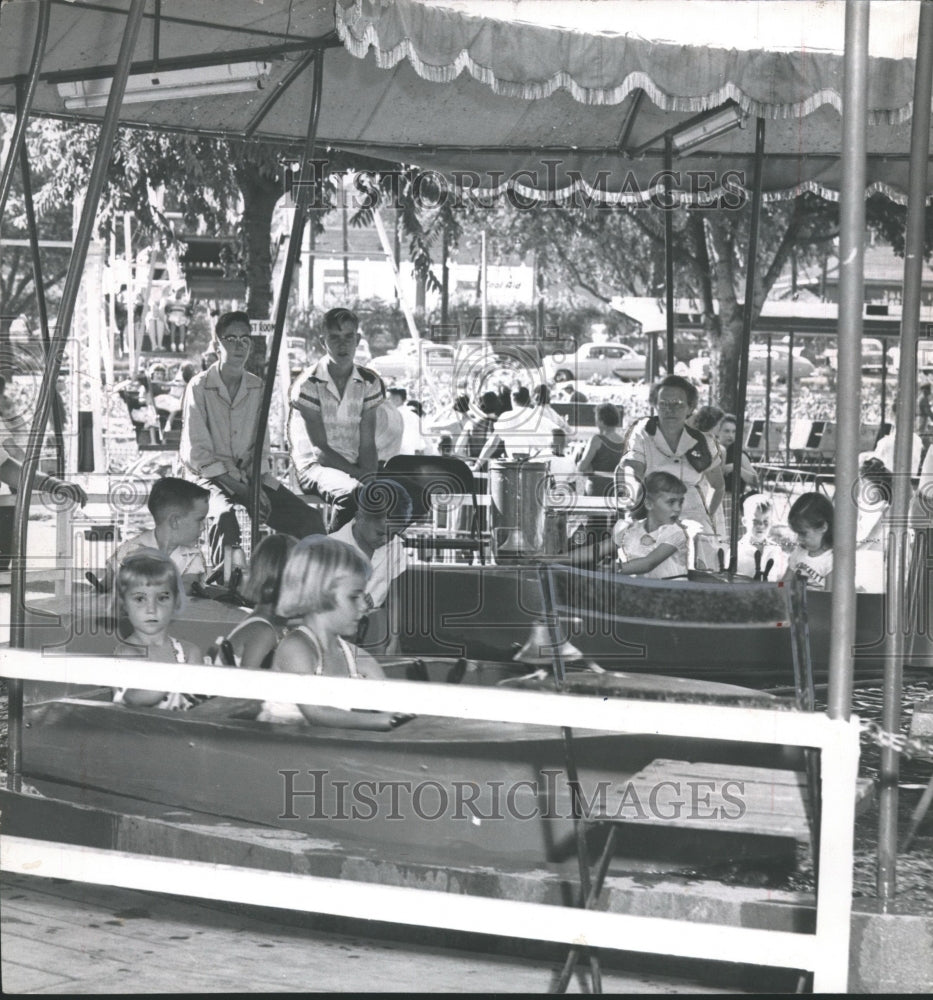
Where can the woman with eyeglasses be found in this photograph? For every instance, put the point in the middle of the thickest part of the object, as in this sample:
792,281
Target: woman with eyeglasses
666,443
220,428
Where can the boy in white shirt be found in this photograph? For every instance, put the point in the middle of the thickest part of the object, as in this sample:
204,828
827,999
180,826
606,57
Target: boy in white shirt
178,508
656,547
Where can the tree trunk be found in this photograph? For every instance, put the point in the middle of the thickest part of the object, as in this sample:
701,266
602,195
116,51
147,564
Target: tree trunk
260,194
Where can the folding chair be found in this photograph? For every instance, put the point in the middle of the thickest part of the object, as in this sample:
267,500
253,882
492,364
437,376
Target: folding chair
427,477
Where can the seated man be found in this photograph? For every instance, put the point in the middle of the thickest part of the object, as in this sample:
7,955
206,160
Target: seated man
220,429
178,508
337,403
383,510
413,442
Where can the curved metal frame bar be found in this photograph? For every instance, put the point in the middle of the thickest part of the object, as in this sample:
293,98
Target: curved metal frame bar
303,187
898,571
58,414
44,403
751,268
22,117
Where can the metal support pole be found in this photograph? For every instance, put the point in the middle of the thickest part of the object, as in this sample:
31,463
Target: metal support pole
768,403
25,105
903,457
788,412
108,131
669,249
884,390
741,389
303,192
849,387
58,412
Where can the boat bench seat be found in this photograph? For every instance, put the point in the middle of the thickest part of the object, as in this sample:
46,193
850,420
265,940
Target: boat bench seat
725,797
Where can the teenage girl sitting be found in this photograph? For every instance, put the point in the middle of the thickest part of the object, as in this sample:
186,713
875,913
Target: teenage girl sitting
324,585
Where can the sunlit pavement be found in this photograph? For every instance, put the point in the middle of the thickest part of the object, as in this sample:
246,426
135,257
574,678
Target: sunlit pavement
66,937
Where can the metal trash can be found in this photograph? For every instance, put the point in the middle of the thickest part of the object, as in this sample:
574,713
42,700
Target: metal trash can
517,490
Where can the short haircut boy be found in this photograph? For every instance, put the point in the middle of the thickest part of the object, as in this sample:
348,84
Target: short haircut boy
384,497
173,496
756,503
334,319
312,572
228,319
657,483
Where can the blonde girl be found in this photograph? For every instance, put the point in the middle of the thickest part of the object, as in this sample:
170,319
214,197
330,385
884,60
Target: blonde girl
324,586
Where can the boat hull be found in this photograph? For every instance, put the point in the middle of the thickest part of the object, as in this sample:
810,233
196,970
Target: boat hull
488,613
432,788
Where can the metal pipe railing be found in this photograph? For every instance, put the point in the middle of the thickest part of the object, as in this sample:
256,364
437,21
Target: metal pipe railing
898,570
669,251
58,415
849,386
50,379
22,116
748,310
302,193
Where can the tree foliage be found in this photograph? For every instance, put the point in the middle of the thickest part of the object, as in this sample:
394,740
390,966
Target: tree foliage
609,251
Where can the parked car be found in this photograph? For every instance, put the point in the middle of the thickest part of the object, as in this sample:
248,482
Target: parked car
297,349
409,360
699,368
603,360
872,357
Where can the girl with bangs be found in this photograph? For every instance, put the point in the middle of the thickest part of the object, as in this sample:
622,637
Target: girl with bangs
149,588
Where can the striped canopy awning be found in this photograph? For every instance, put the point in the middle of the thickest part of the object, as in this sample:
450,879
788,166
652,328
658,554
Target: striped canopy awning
536,96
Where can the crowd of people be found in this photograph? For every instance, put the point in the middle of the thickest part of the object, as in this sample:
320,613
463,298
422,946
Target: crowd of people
319,584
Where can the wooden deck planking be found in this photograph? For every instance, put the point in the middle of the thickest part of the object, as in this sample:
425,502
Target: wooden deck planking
725,797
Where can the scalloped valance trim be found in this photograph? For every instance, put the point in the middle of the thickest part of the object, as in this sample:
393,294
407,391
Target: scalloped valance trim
358,35
581,190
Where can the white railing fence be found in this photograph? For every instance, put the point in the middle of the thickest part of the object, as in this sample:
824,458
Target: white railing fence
824,952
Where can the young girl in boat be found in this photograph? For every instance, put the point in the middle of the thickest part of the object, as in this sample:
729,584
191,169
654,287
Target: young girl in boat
149,587
324,585
811,520
254,639
657,546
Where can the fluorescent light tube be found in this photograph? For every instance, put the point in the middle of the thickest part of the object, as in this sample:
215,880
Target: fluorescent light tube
708,128
168,85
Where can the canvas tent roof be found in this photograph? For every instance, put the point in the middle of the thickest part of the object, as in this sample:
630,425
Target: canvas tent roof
545,96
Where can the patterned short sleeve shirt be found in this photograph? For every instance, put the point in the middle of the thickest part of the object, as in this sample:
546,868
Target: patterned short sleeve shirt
365,390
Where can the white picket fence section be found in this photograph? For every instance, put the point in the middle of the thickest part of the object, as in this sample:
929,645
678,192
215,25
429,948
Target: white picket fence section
824,952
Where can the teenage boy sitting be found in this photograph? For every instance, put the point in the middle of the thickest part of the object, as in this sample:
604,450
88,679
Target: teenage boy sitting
220,431
178,508
337,403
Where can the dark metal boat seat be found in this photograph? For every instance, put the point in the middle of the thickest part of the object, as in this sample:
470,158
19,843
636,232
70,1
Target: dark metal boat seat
427,478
